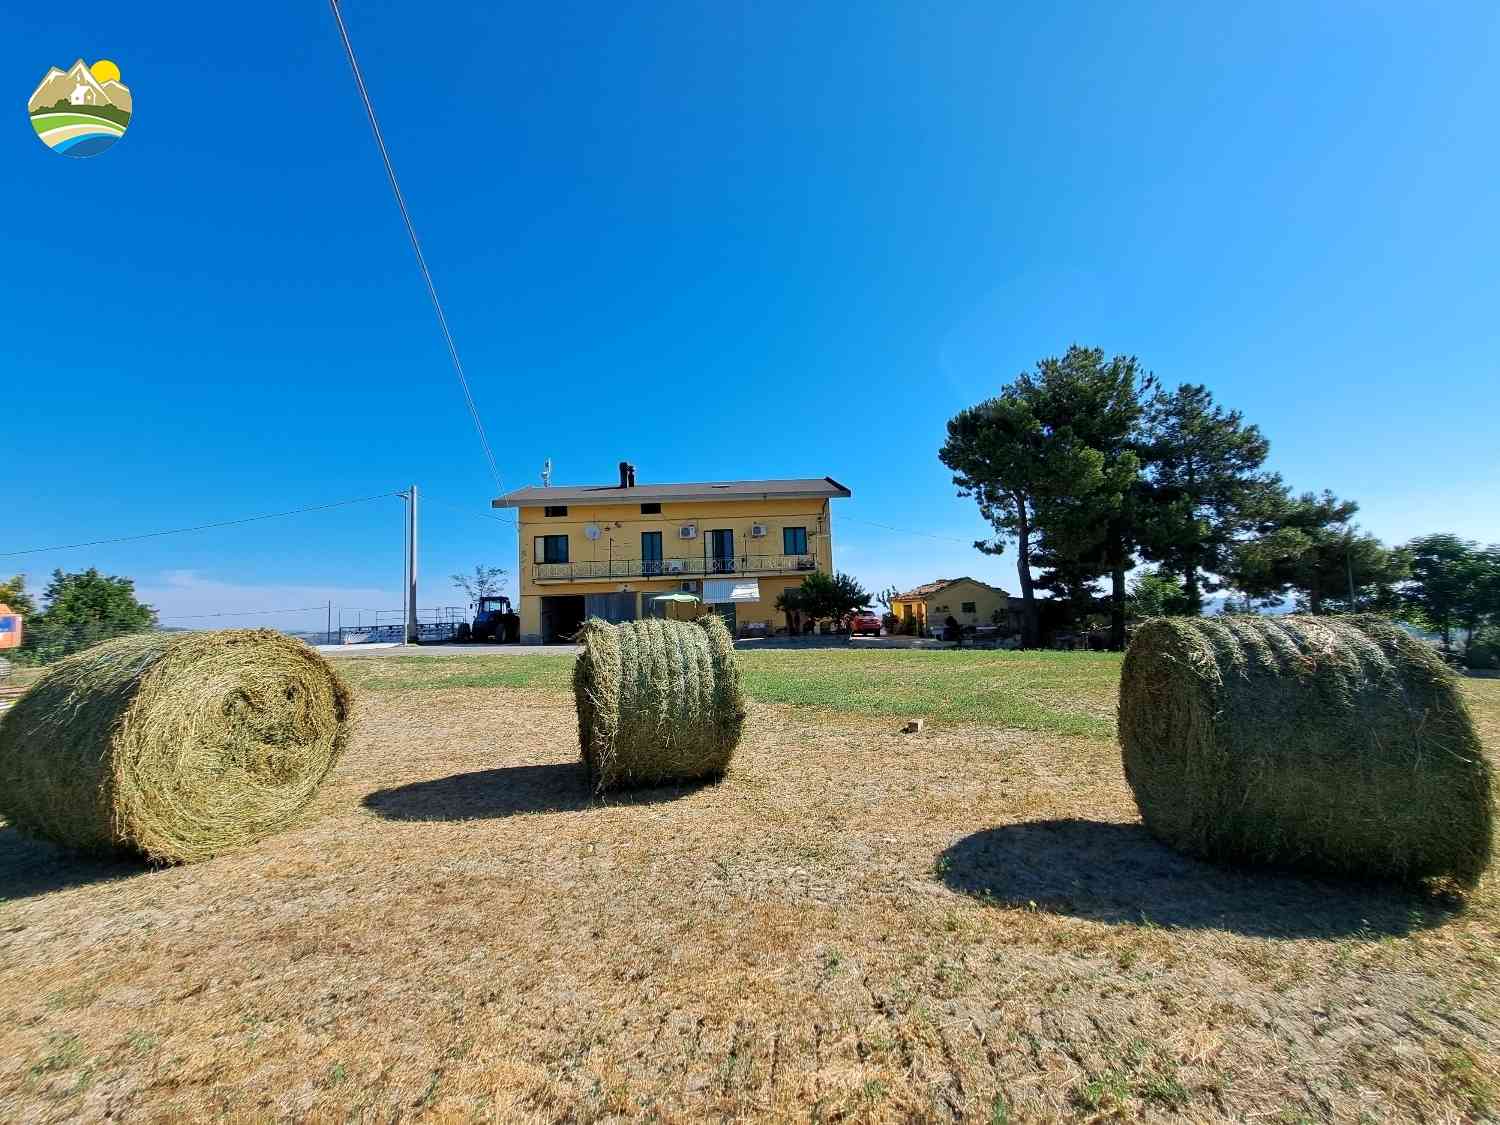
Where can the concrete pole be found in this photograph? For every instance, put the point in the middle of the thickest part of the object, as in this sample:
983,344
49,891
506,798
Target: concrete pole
410,597
405,560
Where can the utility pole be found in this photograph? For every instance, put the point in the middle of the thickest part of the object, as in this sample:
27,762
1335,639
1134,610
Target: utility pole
328,633
409,586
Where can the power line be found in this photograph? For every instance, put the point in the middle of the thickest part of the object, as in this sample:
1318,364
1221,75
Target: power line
910,531
198,527
429,501
416,244
245,613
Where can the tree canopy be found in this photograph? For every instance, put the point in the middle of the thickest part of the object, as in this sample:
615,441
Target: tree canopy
83,609
13,593
484,582
1087,466
1051,461
1202,489
1453,584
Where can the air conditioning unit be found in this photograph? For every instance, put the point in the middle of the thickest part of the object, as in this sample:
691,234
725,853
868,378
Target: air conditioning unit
691,586
757,531
674,566
690,531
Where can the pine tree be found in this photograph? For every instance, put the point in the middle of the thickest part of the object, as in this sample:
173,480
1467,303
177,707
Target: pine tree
1203,488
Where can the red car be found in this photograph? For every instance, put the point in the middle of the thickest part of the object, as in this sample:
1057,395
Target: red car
863,621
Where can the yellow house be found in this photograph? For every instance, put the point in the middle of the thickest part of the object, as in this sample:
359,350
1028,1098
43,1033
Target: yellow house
967,600
608,550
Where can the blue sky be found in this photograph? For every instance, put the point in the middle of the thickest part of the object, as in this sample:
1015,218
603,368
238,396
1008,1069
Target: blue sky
723,241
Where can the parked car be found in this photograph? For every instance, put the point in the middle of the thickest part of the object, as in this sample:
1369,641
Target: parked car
863,621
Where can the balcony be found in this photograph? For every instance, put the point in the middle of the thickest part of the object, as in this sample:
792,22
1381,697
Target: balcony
607,569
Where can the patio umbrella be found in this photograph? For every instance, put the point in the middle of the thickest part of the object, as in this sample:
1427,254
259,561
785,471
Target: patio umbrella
669,599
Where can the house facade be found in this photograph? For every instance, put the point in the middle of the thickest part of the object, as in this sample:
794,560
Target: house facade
967,600
609,550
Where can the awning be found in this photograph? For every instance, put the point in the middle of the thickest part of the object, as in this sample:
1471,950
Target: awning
721,591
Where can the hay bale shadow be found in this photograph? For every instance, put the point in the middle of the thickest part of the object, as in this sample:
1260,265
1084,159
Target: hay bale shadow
30,867
1119,873
508,791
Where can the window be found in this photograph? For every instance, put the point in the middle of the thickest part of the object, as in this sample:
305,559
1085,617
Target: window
794,540
718,550
968,607
555,510
650,552
550,549
650,509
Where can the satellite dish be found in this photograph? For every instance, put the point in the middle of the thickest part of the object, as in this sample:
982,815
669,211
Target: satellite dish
592,531
547,472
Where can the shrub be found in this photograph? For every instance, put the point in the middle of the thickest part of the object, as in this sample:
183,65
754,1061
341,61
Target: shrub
1483,652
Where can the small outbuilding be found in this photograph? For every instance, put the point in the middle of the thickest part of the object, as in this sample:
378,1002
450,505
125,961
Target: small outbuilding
968,601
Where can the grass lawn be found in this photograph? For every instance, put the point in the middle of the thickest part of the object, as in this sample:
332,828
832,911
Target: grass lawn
1061,692
854,925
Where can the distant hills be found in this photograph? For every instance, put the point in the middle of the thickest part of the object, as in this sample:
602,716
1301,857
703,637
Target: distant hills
78,87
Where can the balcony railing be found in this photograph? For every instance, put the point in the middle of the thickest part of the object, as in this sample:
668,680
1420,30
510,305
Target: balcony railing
673,568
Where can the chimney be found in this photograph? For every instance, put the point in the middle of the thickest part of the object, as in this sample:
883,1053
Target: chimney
632,475
624,474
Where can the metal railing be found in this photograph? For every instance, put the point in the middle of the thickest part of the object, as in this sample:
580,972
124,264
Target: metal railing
674,568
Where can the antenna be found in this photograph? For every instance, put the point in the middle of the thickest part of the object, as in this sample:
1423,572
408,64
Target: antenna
547,473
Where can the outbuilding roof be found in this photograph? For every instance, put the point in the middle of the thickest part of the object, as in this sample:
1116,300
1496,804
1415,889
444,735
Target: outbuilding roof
811,488
927,589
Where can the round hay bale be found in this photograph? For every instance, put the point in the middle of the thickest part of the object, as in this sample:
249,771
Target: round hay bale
175,746
1335,744
658,701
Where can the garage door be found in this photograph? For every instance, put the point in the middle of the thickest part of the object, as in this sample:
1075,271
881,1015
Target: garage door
613,608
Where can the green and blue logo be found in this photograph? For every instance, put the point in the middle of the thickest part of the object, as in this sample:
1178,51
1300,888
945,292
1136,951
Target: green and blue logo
81,111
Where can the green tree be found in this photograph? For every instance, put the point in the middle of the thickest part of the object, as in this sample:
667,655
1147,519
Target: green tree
1052,464
1487,599
830,598
1203,489
1450,584
789,602
485,581
997,451
13,593
1154,593
1307,547
83,609
1090,518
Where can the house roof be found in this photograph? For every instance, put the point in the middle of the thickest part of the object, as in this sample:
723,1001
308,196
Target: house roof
927,589
704,490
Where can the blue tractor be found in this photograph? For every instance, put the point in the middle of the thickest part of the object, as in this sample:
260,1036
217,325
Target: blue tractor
494,622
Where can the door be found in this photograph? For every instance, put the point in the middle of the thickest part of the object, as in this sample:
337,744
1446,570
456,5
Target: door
650,552
720,549
613,608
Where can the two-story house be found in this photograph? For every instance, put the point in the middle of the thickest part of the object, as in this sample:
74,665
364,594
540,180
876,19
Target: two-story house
609,550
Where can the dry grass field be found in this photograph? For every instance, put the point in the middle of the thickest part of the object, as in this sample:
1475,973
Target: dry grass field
855,925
